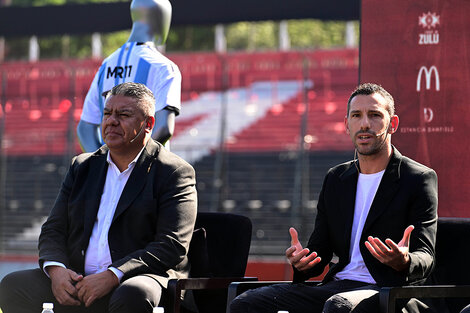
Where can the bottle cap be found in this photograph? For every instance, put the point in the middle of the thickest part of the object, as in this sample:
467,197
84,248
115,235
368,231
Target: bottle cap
47,305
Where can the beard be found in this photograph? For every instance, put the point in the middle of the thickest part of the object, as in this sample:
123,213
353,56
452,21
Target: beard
375,148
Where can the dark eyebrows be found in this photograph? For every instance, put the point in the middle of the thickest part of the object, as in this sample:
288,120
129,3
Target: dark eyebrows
354,111
125,111
375,111
119,111
368,112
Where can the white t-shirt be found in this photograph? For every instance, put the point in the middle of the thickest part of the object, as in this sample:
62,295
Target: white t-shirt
140,63
367,186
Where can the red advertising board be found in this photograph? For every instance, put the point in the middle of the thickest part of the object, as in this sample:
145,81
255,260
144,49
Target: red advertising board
420,52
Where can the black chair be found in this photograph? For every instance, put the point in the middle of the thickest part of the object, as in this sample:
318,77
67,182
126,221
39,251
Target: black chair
449,281
218,255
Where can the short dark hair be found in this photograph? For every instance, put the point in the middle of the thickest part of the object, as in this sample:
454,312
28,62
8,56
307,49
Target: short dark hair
140,92
370,89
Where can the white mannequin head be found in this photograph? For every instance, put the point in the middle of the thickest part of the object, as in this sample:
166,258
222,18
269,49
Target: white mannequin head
151,20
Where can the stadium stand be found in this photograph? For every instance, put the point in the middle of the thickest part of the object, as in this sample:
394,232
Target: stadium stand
243,108
265,96
261,185
280,128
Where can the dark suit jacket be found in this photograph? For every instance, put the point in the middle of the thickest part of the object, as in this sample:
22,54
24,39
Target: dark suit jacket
407,195
152,225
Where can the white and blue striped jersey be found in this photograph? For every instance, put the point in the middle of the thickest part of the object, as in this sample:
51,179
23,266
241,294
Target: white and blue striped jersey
140,63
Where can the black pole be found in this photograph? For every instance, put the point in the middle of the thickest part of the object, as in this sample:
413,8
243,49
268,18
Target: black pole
219,173
301,178
3,160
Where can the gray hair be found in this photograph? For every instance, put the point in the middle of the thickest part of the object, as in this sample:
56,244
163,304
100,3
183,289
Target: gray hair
370,89
144,97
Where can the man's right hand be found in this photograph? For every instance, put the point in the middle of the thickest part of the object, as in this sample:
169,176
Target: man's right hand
297,255
63,284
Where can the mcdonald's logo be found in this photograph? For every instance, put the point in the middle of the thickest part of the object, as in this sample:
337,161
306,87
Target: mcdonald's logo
427,76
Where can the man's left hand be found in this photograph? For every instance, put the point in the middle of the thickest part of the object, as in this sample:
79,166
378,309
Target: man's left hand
95,286
394,255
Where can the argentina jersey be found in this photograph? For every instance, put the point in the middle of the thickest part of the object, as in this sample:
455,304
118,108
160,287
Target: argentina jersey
140,63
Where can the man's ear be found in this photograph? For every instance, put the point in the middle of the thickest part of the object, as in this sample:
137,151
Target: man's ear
346,124
150,123
394,121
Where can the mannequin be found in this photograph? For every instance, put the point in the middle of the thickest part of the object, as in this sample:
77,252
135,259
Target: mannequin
151,21
137,60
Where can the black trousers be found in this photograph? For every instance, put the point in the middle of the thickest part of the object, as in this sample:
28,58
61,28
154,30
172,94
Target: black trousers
26,291
342,296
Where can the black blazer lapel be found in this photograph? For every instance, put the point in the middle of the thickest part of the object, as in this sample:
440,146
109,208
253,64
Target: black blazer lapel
347,202
138,178
95,184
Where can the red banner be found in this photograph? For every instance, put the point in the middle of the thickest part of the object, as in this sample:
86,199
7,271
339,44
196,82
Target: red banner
420,52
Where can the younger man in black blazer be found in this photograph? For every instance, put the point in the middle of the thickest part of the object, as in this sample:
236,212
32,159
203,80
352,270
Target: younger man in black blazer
377,214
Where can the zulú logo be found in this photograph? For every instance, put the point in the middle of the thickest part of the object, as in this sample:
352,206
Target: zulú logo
429,20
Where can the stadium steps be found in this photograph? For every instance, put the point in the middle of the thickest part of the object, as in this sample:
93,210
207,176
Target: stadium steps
279,129
258,185
261,185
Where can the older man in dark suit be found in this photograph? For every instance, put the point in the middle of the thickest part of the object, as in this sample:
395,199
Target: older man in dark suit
121,224
377,214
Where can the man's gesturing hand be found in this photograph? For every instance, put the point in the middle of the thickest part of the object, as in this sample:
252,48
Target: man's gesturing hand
391,254
297,255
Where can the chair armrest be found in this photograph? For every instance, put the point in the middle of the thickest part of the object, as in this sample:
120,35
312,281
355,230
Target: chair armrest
389,295
237,288
175,286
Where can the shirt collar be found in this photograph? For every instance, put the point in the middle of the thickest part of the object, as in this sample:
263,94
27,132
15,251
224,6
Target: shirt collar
110,161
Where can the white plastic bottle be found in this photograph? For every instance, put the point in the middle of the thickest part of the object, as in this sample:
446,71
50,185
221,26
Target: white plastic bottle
47,307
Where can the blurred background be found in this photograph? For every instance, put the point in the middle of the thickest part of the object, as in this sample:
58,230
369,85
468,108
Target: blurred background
263,102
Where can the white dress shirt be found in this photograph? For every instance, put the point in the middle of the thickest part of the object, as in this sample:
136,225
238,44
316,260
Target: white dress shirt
98,257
